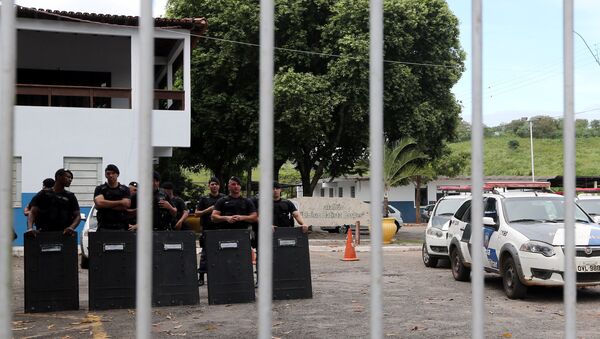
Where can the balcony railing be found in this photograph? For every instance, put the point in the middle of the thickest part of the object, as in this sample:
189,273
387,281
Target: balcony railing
93,97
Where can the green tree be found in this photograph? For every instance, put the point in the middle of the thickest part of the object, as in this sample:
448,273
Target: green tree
400,163
224,77
321,105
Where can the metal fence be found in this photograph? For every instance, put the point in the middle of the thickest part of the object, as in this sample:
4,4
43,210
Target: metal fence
144,254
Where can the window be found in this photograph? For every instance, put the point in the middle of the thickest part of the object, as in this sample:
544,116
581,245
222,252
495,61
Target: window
16,182
422,197
87,174
331,192
341,192
352,192
322,192
461,211
490,209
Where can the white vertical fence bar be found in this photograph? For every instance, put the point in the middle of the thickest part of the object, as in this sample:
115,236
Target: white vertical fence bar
477,173
7,95
144,105
265,233
570,293
376,162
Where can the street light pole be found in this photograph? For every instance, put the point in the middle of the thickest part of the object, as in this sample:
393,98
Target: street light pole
531,147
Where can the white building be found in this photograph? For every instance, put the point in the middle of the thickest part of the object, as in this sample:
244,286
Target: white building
77,97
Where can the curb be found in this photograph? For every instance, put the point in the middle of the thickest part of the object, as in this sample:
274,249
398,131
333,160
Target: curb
362,248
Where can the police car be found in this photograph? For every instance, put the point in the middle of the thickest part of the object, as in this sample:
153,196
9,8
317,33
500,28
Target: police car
524,241
589,200
435,244
90,225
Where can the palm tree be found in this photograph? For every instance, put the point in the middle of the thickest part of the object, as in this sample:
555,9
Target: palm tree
399,165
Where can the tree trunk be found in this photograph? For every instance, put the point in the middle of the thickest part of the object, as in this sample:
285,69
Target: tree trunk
418,199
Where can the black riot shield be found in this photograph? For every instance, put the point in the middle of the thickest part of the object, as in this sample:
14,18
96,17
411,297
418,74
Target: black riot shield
51,273
291,264
112,270
229,267
174,274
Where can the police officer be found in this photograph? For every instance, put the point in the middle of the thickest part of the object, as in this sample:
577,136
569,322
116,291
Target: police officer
56,209
112,201
178,223
234,211
204,211
47,185
163,210
284,211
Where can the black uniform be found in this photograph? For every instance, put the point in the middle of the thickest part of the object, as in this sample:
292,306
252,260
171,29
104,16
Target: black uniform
204,203
56,210
207,225
161,218
132,217
229,206
283,213
109,218
179,204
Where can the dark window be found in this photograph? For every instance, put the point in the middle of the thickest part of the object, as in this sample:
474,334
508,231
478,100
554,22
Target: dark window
423,196
331,192
352,192
462,209
341,192
490,209
322,192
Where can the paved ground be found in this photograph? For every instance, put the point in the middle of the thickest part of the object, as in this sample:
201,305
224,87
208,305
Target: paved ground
418,303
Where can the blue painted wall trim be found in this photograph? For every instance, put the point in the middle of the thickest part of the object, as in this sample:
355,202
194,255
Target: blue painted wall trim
20,221
407,208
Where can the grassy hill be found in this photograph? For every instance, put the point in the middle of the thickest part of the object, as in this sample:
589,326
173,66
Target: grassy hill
500,159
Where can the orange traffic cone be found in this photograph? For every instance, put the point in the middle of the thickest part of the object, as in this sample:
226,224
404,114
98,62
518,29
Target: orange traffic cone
253,256
349,253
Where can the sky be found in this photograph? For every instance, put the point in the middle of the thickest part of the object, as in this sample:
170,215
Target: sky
522,54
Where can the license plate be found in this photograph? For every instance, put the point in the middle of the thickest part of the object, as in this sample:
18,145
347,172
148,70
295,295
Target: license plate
588,268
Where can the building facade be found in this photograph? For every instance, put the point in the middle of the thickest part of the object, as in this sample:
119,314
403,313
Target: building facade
77,98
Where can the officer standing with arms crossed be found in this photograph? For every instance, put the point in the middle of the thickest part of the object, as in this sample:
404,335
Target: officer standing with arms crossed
112,201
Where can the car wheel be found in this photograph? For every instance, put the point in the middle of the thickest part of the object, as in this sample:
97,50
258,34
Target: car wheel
428,260
459,271
397,226
343,229
85,262
513,287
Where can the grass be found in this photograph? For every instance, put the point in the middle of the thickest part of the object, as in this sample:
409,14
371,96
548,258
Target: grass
500,159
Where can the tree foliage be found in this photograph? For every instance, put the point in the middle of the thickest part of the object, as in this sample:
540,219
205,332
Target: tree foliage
321,101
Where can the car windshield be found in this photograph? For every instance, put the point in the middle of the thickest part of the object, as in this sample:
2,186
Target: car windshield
539,209
591,206
448,206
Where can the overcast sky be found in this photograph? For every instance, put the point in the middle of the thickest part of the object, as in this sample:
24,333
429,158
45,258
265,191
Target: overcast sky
522,53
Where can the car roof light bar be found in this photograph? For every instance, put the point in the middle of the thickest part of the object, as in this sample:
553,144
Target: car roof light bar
587,190
517,184
459,188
